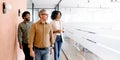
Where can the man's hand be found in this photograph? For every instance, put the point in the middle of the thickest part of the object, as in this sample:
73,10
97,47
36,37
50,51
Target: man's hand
32,54
51,50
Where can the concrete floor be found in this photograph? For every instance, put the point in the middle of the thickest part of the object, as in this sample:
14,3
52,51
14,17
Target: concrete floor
20,55
68,52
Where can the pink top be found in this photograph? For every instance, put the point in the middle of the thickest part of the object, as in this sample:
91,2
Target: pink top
57,25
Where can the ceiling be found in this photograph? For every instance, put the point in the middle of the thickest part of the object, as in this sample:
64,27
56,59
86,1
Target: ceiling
42,3
68,3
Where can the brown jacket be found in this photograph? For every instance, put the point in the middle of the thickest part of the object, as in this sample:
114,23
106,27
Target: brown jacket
41,35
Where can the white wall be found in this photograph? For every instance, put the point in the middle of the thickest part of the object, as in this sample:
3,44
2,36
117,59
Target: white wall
90,15
94,18
104,21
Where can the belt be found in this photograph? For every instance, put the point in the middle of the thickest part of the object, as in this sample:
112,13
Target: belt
41,48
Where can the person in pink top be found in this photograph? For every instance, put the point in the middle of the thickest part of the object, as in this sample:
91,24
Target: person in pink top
57,26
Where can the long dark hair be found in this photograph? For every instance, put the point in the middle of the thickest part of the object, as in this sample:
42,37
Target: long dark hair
54,14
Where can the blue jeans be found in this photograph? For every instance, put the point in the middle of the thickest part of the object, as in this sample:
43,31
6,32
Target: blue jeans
42,54
57,47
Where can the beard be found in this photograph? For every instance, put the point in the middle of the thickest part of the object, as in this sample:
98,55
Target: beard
27,19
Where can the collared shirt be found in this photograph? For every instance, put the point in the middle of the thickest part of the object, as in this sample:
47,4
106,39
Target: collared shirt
41,35
23,32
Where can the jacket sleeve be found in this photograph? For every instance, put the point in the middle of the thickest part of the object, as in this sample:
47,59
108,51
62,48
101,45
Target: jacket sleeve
19,34
51,37
31,36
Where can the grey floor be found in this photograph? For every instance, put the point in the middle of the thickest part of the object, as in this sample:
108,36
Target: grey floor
71,52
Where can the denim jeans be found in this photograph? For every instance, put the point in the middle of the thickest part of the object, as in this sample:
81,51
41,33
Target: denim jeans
57,47
42,54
